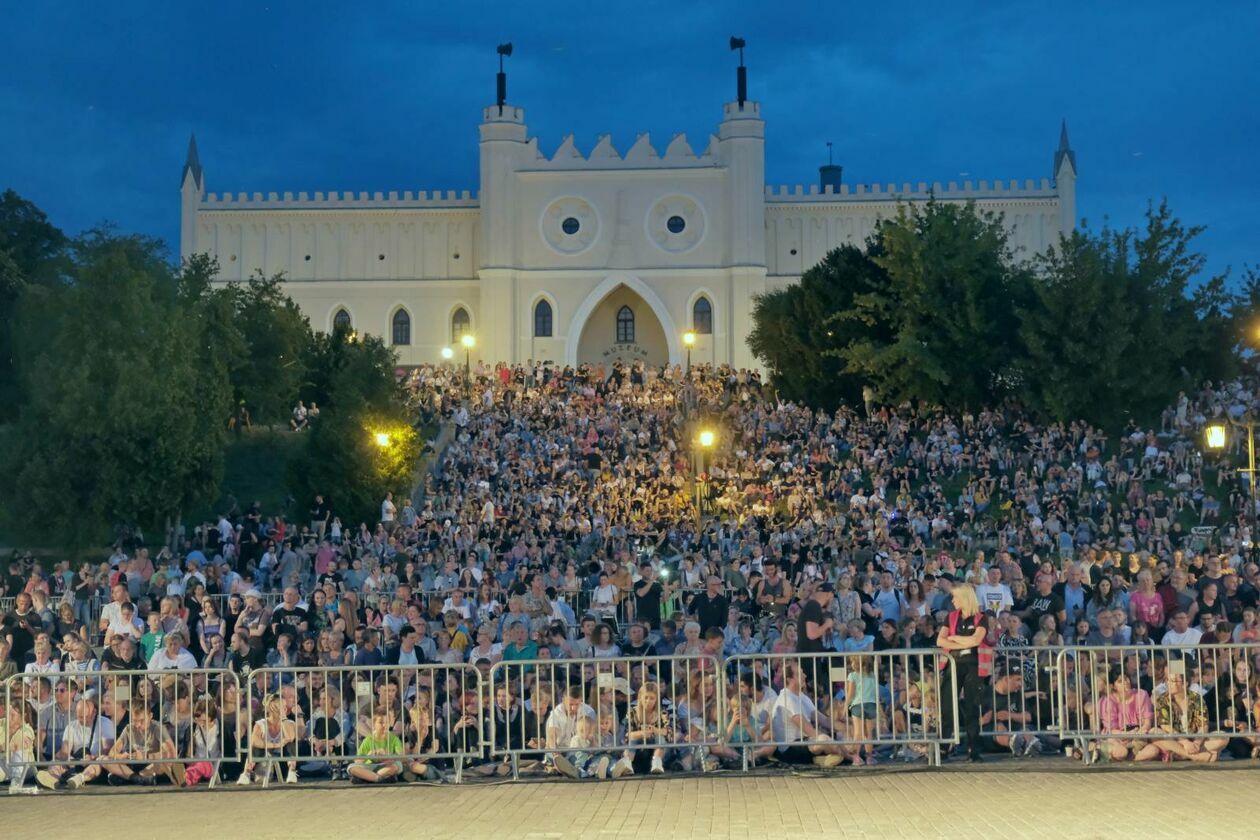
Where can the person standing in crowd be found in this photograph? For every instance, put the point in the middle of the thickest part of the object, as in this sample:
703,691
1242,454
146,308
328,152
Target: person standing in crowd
961,639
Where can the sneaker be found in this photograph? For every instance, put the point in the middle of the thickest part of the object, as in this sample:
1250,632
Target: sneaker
504,769
408,776
46,780
291,779
76,781
601,767
1014,744
623,767
828,760
4,777
657,767
870,759
565,766
1033,746
177,774
244,779
711,764
144,779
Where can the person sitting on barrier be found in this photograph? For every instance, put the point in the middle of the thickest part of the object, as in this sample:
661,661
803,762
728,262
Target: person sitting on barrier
650,721
272,739
797,728
88,736
377,753
1182,714
140,749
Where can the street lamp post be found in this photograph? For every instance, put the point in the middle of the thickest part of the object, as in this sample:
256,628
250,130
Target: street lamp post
1216,436
689,341
704,442
469,342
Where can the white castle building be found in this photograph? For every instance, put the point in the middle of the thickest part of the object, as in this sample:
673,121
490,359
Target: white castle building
578,257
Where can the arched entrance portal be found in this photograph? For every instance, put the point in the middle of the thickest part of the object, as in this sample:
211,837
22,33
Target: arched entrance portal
622,327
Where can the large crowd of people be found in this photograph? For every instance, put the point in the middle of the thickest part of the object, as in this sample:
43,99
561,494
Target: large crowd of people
809,571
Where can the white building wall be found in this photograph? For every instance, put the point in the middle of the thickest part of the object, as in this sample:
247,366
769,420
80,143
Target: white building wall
500,251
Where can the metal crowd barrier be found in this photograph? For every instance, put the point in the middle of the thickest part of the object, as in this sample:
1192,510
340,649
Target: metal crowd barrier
177,723
1148,702
434,711
827,708
572,712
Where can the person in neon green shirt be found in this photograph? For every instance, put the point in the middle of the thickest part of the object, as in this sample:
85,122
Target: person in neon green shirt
370,766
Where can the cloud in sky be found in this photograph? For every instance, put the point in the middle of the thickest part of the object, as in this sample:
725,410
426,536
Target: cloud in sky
97,101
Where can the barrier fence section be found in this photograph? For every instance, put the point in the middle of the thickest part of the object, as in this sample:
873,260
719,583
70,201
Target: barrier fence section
132,725
367,722
1170,702
604,716
828,708
1023,706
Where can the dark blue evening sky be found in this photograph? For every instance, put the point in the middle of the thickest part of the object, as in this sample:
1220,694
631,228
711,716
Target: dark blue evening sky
97,100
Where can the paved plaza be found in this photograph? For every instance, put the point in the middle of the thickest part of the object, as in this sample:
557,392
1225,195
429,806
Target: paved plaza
988,802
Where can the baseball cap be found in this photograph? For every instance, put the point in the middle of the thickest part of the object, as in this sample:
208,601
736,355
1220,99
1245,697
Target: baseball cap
827,586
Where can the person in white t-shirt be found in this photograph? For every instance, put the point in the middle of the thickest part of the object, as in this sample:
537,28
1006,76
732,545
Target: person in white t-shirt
88,736
1179,632
993,595
172,655
387,509
562,726
795,718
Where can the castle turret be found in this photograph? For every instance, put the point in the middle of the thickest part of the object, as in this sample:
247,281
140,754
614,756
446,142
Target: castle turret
741,147
504,150
1065,181
192,188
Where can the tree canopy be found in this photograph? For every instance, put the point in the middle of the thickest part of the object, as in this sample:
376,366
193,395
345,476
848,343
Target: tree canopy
936,308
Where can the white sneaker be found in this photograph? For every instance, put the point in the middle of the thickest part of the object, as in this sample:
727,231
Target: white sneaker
623,767
657,767
291,779
244,779
76,781
601,767
567,767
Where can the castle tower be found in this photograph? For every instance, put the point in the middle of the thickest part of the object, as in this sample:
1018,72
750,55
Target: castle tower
1065,181
192,189
741,147
504,150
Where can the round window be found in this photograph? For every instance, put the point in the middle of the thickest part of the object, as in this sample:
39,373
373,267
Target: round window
570,225
676,224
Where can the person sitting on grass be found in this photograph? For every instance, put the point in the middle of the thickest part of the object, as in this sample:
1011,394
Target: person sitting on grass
377,761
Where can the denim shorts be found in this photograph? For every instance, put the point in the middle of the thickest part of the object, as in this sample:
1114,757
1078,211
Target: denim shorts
864,711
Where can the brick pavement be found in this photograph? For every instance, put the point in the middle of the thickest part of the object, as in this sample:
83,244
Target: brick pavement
1220,802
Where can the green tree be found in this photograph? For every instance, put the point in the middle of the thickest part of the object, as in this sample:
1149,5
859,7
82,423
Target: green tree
796,332
271,373
123,424
942,329
361,398
32,251
1117,325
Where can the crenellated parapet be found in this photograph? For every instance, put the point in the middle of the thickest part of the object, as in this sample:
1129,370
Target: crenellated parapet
336,200
921,191
604,155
